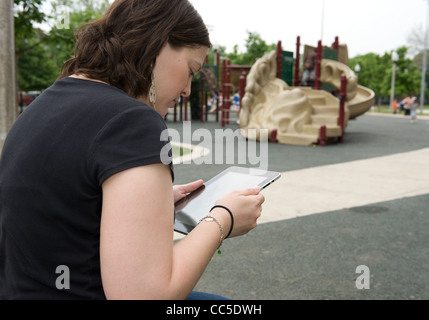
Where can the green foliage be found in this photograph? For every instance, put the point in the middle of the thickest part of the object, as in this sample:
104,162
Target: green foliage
372,70
41,55
26,13
376,73
408,76
256,47
62,40
36,69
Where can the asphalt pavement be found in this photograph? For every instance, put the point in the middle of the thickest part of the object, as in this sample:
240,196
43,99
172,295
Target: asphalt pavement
346,221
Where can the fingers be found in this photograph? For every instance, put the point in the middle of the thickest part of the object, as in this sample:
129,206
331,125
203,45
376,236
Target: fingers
256,198
182,190
189,187
246,206
192,186
254,191
251,191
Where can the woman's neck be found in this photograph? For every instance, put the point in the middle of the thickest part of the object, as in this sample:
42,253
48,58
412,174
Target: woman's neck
80,76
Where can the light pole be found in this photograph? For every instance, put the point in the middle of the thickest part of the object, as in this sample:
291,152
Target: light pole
8,104
423,86
323,20
395,58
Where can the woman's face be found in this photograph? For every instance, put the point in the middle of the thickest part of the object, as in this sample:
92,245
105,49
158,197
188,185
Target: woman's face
173,73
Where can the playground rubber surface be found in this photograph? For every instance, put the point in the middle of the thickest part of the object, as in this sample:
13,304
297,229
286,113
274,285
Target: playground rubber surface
364,202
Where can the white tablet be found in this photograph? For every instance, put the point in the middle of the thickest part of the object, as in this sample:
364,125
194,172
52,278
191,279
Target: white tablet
195,206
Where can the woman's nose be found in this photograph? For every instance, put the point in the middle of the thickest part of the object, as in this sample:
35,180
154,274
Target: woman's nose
187,90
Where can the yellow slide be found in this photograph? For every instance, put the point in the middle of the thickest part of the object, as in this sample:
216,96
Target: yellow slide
362,102
360,99
298,113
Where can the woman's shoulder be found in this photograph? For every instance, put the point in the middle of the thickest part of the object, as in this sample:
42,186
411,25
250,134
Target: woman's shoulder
102,99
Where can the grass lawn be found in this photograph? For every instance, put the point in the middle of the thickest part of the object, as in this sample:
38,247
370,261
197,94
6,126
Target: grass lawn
386,109
179,151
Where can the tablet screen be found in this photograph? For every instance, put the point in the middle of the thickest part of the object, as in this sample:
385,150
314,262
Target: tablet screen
190,210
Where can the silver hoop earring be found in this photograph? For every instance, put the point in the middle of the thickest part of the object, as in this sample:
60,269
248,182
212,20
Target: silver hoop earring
152,93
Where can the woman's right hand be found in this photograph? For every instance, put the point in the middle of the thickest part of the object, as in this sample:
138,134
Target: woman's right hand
246,207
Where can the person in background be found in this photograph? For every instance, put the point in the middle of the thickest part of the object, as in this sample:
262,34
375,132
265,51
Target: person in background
309,69
413,109
406,102
394,106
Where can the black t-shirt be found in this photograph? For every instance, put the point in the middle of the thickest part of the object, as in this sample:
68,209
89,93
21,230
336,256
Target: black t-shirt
74,136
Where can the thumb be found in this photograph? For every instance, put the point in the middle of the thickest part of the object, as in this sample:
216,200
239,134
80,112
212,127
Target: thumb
192,186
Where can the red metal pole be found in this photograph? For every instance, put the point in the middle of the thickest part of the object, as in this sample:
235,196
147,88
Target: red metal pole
297,77
343,97
228,92
223,90
273,136
322,136
279,59
206,95
217,106
317,85
203,96
202,101
336,44
217,63
243,79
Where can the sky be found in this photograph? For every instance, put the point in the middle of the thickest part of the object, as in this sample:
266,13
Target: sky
366,26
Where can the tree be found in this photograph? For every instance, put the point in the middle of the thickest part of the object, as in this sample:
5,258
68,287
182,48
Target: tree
372,71
256,47
376,73
408,75
62,40
416,45
26,13
416,41
27,39
36,69
41,54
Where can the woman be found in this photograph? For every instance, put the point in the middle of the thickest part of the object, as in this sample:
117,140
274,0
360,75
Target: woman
86,204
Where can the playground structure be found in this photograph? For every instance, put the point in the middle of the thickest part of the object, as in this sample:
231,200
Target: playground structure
271,96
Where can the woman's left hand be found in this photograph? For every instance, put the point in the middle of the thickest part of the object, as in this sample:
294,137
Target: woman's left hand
182,190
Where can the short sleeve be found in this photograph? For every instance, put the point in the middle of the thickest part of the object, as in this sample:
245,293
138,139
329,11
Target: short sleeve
132,138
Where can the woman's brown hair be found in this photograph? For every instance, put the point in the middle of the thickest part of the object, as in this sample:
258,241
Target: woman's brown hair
121,47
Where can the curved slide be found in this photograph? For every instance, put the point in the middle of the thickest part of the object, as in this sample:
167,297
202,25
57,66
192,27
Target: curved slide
360,99
362,102
298,113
